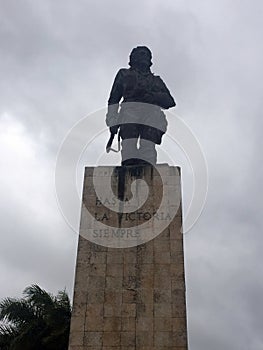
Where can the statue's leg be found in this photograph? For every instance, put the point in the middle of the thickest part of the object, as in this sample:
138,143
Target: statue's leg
129,151
147,151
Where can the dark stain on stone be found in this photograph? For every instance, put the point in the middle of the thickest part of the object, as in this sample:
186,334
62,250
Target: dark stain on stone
156,296
120,172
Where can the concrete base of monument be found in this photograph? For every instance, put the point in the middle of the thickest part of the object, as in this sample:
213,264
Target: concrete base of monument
129,282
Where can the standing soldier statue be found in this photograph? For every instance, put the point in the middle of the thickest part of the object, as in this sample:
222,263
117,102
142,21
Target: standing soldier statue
139,119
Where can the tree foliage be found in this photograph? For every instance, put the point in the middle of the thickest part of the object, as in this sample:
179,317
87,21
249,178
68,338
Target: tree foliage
39,321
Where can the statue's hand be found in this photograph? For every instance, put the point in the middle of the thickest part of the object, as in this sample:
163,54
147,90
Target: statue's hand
114,129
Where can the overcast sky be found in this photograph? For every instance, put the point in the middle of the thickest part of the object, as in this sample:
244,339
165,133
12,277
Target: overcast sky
57,63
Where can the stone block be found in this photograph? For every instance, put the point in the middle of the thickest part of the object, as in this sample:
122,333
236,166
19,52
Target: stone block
79,303
163,236
128,310
75,347
97,270
97,258
144,339
76,338
177,272
161,296
180,338
130,257
114,270
128,339
178,284
175,228
161,245
176,245
114,256
179,324
94,310
95,296
77,324
128,324
96,282
129,296
112,324
145,257
111,339
177,257
178,297
162,257
162,310
147,281
163,324
144,310
158,190
93,339
162,282
163,339
162,270
112,310
145,269
178,311
113,296
88,173
131,282
114,282
145,296
129,270
94,323
81,278
144,324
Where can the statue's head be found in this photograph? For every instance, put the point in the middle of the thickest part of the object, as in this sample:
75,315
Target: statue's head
141,57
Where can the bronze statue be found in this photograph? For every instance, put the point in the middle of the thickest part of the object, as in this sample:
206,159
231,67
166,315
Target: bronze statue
139,118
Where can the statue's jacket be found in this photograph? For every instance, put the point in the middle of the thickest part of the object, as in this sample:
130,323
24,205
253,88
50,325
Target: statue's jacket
143,95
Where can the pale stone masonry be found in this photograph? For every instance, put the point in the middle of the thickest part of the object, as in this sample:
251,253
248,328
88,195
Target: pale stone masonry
130,298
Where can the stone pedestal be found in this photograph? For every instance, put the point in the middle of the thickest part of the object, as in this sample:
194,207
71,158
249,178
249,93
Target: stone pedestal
130,295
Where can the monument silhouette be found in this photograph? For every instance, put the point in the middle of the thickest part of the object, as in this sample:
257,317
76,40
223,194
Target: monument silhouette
129,288
143,95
